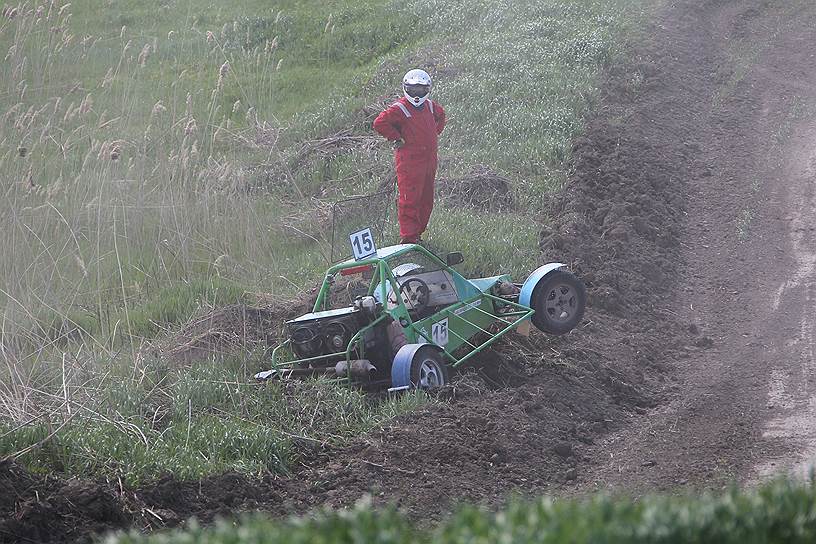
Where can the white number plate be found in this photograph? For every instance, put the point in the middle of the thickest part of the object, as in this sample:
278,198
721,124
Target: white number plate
362,244
439,332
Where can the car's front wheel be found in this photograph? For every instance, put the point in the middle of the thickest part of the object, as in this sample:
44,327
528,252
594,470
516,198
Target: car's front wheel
419,366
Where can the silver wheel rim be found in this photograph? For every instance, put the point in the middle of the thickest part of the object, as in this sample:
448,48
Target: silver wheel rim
561,303
430,374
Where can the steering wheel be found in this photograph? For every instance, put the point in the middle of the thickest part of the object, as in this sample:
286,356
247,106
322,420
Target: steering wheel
415,293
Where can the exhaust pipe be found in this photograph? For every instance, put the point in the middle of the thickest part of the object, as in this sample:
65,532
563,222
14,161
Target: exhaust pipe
357,368
360,368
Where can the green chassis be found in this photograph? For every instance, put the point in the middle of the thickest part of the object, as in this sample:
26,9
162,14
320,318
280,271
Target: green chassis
476,312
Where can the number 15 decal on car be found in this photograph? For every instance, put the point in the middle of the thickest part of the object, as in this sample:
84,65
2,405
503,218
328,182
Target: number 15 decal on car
362,244
439,332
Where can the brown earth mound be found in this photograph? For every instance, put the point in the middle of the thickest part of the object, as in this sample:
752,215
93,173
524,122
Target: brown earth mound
237,328
481,188
746,284
47,509
234,328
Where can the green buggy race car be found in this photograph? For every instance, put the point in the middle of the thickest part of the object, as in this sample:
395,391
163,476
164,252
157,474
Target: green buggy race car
410,315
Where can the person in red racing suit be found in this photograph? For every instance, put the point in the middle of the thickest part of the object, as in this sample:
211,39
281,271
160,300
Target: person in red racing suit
413,123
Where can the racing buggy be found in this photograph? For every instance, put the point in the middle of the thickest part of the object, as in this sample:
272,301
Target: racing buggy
410,316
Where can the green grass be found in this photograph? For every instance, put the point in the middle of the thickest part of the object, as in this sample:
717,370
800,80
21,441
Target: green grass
159,159
486,240
142,126
320,45
155,312
141,422
781,512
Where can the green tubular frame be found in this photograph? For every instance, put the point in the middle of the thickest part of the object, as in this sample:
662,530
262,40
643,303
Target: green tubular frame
382,270
384,275
378,263
521,313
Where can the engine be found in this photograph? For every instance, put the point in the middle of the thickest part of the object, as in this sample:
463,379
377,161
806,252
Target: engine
329,332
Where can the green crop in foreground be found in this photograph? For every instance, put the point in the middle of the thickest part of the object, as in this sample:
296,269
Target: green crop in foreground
781,512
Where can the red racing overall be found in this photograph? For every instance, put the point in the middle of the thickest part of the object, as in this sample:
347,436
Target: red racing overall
415,161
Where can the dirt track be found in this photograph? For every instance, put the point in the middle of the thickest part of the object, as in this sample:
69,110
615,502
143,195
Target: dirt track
743,406
691,216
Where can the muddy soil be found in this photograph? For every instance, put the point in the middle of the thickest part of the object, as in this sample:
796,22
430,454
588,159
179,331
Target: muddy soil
690,215
744,406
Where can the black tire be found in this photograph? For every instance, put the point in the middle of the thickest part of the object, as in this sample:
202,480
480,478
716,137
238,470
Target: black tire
559,300
428,370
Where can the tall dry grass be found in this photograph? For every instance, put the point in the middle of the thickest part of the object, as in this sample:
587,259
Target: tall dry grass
113,191
108,196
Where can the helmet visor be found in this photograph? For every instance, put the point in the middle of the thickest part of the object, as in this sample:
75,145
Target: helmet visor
417,91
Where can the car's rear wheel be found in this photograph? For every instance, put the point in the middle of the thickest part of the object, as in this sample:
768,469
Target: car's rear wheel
559,300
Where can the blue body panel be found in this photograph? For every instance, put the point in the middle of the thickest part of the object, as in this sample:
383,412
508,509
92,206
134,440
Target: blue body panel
531,282
485,284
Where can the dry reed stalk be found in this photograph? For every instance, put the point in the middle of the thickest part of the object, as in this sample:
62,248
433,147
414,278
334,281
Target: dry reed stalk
32,447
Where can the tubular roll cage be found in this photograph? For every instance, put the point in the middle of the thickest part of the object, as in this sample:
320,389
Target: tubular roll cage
512,313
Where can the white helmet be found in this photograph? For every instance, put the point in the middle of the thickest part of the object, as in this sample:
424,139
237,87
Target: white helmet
417,86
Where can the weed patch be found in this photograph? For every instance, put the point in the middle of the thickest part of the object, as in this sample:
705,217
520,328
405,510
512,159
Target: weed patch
189,422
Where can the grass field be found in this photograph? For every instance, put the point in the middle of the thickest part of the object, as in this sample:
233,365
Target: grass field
158,159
